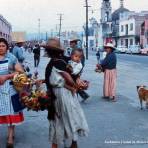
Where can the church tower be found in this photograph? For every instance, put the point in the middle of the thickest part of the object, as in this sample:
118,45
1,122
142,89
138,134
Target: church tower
106,11
106,21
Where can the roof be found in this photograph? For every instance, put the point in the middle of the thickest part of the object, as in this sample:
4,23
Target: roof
116,13
18,36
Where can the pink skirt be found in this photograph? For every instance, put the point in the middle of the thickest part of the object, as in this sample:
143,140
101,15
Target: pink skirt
110,77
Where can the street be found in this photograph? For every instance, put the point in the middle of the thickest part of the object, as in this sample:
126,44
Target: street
112,125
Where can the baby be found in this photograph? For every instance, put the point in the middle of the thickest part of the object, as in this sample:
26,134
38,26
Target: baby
75,68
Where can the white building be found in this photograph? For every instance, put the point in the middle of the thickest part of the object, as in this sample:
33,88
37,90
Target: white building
94,34
5,29
129,28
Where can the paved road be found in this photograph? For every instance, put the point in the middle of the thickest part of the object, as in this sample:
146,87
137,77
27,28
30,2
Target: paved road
141,59
133,58
120,122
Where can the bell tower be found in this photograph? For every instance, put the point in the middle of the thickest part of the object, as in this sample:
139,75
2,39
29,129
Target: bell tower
106,11
121,3
106,21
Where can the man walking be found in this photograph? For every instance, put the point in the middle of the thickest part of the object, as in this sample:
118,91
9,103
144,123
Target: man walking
18,51
36,52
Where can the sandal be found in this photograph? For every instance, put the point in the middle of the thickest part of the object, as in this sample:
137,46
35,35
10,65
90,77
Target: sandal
74,144
113,99
9,145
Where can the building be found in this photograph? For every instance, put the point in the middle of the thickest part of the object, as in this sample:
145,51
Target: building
116,20
144,34
110,21
129,28
5,29
94,35
106,21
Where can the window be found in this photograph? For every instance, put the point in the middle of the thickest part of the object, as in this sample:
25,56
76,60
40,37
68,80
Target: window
122,42
131,26
131,41
122,28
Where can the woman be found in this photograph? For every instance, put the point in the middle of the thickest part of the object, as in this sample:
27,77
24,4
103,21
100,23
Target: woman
109,67
8,67
66,117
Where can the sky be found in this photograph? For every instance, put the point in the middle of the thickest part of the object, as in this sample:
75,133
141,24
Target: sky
24,14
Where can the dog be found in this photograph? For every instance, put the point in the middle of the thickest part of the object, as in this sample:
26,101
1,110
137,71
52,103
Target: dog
143,95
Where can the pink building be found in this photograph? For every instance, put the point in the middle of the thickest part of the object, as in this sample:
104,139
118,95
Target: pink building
144,34
5,29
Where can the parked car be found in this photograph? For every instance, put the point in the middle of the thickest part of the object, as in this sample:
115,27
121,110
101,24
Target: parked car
117,51
122,49
144,50
133,49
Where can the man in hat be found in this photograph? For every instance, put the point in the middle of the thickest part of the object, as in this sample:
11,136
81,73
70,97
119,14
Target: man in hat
18,51
73,43
36,52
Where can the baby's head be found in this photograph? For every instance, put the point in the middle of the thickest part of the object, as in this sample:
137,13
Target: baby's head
76,55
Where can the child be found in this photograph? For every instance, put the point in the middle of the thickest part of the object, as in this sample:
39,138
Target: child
75,69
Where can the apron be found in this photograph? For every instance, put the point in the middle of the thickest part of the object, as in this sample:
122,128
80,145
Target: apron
6,91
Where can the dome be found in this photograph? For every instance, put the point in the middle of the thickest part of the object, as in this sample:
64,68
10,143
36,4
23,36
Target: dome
116,13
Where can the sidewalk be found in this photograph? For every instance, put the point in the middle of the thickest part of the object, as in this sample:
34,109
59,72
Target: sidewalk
116,122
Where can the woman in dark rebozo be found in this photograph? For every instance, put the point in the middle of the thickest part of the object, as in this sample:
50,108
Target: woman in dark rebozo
66,117
9,98
110,72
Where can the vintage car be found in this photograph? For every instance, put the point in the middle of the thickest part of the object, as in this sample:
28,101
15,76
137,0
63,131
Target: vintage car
144,50
133,49
122,49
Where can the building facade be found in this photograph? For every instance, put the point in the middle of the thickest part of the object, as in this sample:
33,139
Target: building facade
129,28
144,34
116,20
5,29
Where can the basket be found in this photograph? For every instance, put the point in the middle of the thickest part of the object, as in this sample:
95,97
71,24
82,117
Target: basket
35,100
33,97
21,82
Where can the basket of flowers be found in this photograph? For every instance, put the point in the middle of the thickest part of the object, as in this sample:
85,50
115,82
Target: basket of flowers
32,96
35,100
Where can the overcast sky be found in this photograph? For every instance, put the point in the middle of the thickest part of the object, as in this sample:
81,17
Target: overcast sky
24,14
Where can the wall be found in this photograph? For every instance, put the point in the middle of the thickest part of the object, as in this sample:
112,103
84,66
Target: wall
5,29
124,23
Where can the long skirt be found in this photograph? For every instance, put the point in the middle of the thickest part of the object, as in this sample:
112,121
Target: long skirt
7,114
110,77
70,120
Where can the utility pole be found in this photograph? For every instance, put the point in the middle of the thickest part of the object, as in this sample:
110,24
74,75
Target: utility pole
56,30
39,25
60,25
51,33
86,30
46,36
